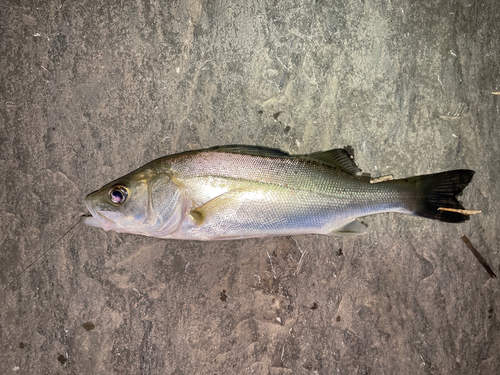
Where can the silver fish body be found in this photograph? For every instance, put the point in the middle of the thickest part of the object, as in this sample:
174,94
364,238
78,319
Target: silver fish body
234,192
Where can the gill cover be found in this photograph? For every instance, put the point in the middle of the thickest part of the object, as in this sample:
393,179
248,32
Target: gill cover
146,201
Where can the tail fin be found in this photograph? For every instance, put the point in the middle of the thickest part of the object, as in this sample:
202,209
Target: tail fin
440,190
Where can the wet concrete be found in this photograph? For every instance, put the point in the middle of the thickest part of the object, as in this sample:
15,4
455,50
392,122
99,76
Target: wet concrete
91,90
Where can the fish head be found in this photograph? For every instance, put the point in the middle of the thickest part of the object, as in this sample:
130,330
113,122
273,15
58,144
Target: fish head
147,201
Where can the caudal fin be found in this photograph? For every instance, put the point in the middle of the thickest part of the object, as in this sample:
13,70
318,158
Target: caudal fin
439,190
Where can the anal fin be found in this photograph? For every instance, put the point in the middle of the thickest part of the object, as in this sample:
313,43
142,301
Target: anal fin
354,228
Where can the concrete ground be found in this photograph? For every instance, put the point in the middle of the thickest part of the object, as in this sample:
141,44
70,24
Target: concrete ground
90,90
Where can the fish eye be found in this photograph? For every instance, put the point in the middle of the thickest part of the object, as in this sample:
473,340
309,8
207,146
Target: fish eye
118,194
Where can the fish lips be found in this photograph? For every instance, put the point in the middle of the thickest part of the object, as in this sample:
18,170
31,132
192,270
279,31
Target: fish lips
99,219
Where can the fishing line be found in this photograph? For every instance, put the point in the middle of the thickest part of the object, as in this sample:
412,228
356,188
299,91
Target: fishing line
43,253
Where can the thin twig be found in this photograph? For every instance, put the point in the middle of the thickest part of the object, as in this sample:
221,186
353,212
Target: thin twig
460,211
478,256
382,179
271,262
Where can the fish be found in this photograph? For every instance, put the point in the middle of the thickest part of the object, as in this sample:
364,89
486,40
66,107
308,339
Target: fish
235,192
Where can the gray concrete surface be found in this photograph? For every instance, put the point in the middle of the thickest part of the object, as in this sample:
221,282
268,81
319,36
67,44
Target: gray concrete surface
90,90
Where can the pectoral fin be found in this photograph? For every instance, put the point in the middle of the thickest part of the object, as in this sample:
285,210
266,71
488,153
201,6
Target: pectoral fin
217,205
354,228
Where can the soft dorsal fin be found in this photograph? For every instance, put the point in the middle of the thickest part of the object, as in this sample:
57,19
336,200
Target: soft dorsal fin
338,157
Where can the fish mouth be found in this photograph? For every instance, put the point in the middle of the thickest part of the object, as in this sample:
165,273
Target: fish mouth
91,221
98,219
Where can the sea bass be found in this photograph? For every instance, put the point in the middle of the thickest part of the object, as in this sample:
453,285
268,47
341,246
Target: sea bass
232,192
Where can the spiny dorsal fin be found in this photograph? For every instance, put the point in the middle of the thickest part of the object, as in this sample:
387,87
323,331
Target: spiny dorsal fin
338,157
252,150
